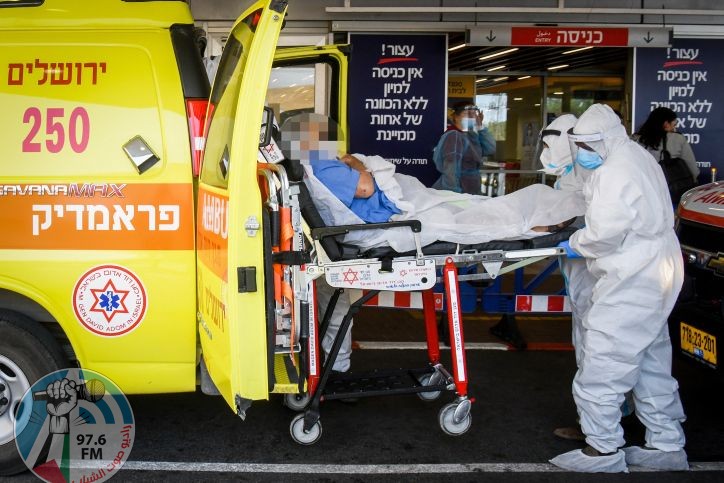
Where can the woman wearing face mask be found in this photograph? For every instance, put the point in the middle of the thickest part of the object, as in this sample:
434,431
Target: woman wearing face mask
660,127
458,154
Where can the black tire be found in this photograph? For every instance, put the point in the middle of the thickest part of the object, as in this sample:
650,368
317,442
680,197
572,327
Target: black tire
32,349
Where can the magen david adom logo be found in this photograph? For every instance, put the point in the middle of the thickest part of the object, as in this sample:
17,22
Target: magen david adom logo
74,425
109,300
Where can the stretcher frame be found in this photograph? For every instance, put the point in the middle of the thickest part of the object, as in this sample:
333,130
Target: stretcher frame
300,259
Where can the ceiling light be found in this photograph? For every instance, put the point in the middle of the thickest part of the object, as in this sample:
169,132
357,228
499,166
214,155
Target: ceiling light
498,79
537,104
496,68
524,77
558,93
577,50
498,54
556,67
456,47
482,79
517,98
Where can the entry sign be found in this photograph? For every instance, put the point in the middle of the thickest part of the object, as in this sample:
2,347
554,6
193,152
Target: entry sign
505,35
397,97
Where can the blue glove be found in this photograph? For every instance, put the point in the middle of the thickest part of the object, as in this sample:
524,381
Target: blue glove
570,252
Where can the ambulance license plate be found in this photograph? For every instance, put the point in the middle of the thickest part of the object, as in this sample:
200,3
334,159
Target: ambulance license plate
698,343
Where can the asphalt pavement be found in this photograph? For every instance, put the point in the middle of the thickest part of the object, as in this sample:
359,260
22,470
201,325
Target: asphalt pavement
520,397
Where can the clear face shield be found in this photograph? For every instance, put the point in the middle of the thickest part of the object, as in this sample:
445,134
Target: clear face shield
469,119
591,142
543,152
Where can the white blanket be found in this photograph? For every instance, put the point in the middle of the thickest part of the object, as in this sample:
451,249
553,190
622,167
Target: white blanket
445,215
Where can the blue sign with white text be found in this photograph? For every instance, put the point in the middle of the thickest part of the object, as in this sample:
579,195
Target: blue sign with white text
397,95
686,78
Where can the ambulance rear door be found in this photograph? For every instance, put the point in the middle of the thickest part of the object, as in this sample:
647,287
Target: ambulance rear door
232,318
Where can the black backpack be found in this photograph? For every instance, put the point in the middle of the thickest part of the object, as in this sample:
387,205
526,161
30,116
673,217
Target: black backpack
677,174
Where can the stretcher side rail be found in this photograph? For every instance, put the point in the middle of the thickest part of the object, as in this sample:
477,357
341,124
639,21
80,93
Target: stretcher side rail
319,233
492,261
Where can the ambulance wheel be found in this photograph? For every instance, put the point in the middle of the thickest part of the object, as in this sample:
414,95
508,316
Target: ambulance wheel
296,402
296,429
429,380
453,421
27,353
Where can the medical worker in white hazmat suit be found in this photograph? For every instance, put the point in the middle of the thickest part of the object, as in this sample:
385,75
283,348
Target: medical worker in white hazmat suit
556,159
555,156
631,249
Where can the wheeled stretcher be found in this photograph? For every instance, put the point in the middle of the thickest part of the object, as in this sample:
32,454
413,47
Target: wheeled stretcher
302,250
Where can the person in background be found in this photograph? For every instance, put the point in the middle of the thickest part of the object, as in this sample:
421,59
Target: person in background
458,155
661,124
631,249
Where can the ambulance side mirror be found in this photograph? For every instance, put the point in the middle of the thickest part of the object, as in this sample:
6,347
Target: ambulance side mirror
267,126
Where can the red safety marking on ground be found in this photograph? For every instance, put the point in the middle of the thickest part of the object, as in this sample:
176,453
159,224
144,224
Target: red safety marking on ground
402,299
542,303
523,303
555,303
387,299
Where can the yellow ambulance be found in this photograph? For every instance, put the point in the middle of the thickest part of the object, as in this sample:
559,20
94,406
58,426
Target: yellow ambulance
120,252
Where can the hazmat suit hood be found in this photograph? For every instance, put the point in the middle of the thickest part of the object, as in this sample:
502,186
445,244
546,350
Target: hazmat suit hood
600,128
555,152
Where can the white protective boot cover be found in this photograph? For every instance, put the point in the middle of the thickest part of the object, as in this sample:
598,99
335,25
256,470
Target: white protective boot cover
576,460
657,459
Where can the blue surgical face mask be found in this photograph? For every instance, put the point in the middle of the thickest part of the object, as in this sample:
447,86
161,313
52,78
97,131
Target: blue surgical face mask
327,150
588,159
469,124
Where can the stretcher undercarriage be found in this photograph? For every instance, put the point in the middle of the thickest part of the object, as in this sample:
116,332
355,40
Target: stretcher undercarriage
301,249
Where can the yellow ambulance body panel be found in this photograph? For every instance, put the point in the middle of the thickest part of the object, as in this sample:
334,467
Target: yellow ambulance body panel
90,243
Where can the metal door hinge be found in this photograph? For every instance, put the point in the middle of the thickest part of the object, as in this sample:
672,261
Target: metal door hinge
252,226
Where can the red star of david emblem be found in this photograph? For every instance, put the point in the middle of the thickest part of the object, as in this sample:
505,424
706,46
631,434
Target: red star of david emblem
109,301
350,276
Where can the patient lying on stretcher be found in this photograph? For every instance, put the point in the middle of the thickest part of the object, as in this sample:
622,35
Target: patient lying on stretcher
354,189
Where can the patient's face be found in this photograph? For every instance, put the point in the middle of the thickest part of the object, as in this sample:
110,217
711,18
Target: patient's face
309,140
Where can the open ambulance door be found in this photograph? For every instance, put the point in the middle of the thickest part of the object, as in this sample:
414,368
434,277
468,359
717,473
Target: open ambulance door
303,80
230,246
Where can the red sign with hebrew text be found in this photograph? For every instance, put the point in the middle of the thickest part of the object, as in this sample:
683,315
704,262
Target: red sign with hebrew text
569,36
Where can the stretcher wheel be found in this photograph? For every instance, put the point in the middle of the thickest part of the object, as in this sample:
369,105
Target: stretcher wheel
429,380
296,402
454,419
296,429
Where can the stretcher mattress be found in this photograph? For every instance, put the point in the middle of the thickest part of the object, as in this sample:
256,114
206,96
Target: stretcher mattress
337,250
